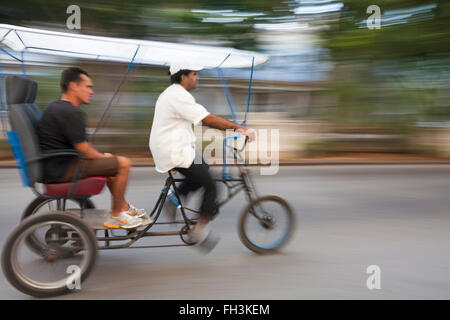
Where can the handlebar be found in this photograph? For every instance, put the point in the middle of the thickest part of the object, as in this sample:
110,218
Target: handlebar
236,151
236,154
243,147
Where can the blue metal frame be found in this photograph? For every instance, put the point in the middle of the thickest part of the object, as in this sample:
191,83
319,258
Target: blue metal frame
226,170
3,103
227,94
249,92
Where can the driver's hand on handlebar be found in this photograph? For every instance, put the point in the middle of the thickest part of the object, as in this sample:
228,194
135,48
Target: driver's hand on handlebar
250,133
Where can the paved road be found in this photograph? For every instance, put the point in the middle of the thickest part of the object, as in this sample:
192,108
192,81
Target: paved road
350,217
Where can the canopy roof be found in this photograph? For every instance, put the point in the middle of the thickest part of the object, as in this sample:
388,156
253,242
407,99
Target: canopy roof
123,50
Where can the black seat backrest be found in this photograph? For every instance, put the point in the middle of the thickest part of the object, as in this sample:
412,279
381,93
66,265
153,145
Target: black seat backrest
24,116
20,90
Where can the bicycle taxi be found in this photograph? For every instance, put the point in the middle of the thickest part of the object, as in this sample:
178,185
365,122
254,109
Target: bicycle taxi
56,243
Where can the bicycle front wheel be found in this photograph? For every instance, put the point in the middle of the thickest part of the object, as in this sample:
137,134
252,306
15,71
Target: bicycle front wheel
266,224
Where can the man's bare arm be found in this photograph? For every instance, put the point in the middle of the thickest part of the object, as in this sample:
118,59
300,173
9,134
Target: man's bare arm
220,123
88,151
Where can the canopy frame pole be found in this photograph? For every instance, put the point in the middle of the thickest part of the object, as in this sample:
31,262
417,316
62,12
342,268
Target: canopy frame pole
249,93
227,94
22,53
114,95
226,175
3,102
226,88
9,54
23,65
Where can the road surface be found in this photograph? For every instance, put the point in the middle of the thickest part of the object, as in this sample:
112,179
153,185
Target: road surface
349,218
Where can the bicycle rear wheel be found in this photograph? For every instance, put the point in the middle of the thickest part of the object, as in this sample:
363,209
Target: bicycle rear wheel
40,205
60,266
266,224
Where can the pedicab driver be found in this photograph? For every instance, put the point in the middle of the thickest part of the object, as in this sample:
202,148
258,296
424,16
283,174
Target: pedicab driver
172,140
63,126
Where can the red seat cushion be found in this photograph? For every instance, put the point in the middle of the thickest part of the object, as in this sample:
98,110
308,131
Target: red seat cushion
85,187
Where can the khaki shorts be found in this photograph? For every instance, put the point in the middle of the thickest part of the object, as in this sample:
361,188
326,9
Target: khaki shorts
105,167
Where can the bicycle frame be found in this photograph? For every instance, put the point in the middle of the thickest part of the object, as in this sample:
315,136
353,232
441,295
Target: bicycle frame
234,186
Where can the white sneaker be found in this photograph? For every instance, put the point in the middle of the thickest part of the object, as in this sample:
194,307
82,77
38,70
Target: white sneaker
135,212
123,221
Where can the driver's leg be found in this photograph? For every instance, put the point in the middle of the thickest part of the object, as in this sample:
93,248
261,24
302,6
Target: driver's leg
199,175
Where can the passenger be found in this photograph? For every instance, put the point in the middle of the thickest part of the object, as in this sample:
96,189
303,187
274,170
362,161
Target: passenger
172,141
63,126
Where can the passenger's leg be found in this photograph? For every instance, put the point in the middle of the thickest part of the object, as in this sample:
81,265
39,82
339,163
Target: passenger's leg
117,186
116,169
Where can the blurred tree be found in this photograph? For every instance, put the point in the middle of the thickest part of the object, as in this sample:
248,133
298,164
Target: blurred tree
384,79
143,19
389,76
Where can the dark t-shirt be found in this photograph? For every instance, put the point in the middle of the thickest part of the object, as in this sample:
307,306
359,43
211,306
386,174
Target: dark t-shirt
61,127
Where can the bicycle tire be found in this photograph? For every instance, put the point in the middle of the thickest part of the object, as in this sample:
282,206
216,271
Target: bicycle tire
247,213
35,205
30,287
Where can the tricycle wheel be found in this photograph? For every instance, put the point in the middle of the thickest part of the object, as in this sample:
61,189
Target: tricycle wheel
36,241
266,224
55,270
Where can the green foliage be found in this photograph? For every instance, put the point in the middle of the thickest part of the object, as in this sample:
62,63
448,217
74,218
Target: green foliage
141,19
387,77
382,80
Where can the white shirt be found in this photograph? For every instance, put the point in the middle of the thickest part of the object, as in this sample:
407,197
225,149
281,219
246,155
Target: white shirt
172,139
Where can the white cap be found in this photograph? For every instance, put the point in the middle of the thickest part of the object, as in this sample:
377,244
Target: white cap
178,65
